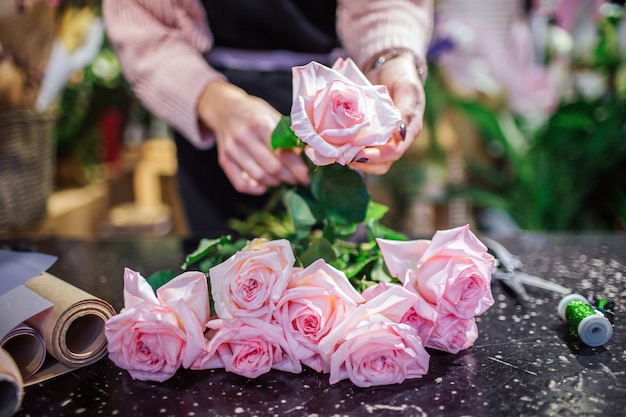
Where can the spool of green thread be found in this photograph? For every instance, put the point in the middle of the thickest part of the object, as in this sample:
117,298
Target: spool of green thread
587,323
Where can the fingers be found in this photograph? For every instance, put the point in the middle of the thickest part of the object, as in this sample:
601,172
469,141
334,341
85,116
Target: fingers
243,125
375,169
240,179
293,162
247,176
249,162
407,92
250,166
412,118
405,87
409,99
273,167
376,160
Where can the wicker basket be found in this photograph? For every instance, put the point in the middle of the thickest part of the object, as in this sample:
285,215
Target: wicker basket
26,166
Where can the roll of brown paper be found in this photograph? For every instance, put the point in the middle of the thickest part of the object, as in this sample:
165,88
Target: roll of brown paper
27,348
11,385
74,328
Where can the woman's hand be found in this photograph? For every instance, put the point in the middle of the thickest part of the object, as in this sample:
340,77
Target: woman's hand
405,87
243,126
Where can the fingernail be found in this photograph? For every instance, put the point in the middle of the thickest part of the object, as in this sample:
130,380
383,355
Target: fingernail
362,160
402,130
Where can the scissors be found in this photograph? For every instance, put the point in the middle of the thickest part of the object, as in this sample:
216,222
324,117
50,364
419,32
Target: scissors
508,270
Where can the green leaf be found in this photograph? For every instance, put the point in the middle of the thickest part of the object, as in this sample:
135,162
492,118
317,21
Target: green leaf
376,229
264,224
380,273
283,136
341,193
571,118
319,249
375,211
205,248
340,231
357,269
160,278
299,208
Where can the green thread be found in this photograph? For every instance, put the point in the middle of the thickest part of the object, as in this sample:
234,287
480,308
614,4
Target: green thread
575,312
585,321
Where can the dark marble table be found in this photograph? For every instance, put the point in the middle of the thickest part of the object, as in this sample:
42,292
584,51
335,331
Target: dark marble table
524,362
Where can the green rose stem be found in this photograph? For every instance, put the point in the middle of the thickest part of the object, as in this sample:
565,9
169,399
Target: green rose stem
332,219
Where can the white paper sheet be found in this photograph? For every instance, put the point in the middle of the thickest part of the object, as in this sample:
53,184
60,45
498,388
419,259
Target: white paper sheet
18,267
18,305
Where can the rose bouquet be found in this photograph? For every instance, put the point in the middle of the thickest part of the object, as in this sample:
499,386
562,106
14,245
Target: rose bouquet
323,285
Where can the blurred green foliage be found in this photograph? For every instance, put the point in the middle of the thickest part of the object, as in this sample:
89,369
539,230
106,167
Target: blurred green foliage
567,173
99,86
571,175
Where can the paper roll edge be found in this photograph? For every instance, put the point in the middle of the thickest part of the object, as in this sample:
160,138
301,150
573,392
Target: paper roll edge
11,385
78,338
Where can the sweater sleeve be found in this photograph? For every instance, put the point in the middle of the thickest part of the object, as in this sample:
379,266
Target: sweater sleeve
369,27
159,45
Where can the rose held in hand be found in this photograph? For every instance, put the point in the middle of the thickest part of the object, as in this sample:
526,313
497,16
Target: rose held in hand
337,111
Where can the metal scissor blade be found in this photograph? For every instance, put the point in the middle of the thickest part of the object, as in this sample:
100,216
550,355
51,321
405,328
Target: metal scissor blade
508,270
539,282
506,259
510,280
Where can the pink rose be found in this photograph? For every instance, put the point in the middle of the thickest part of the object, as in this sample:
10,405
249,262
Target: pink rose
451,334
421,316
401,256
452,272
248,347
337,111
371,347
379,352
317,299
250,283
188,296
443,332
155,334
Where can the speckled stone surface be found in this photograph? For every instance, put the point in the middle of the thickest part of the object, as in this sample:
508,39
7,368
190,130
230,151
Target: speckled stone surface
524,363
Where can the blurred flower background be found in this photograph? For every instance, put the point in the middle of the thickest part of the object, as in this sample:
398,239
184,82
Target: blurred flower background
96,110
533,98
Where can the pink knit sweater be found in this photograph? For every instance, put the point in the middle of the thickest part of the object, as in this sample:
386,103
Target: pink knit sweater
160,45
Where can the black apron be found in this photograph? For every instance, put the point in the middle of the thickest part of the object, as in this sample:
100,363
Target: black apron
259,25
